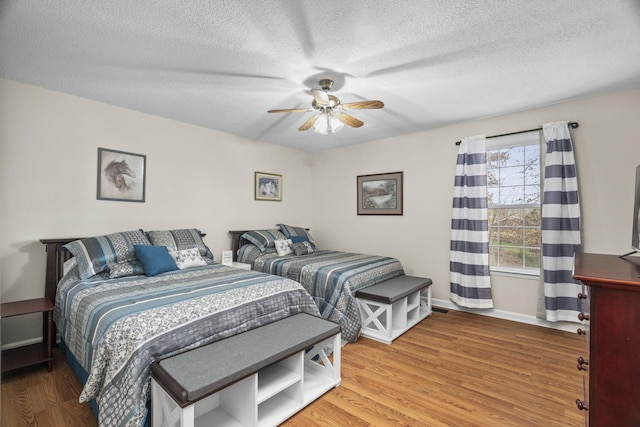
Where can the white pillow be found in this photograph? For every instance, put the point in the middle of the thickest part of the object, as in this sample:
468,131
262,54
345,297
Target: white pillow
187,258
282,247
68,265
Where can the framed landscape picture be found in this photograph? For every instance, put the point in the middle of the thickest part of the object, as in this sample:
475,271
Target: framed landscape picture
121,175
268,186
380,194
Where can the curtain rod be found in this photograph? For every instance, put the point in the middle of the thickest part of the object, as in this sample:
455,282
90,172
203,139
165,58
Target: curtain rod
572,125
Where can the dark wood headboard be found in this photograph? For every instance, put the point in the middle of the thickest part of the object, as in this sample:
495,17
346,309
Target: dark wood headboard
237,242
56,256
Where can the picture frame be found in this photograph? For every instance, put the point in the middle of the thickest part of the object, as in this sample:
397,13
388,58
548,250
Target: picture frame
380,194
121,176
227,258
268,186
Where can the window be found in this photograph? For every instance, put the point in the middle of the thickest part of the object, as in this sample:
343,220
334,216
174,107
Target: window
514,203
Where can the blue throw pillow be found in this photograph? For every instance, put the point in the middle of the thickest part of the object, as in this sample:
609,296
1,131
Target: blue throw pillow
299,239
155,259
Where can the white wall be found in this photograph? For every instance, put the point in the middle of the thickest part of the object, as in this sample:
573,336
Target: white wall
202,178
195,178
607,146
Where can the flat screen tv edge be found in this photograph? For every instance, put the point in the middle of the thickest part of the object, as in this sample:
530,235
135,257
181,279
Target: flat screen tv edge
635,238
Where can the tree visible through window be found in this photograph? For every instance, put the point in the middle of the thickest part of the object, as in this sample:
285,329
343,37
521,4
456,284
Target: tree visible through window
514,205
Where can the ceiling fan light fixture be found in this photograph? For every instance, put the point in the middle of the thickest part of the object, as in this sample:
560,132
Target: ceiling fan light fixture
320,125
327,123
335,124
331,115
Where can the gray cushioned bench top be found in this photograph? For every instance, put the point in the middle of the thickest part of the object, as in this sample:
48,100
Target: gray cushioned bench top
197,373
392,290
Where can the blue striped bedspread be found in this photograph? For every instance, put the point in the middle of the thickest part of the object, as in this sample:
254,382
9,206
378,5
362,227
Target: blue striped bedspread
332,278
115,328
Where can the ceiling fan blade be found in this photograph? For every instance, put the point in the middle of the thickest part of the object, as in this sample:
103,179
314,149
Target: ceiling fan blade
321,97
307,125
348,120
363,104
291,110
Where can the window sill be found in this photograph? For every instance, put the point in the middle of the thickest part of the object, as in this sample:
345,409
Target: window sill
532,274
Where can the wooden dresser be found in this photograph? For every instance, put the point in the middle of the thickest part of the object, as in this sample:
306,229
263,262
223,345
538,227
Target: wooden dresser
612,328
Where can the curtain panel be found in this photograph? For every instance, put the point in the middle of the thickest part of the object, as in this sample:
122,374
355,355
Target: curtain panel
561,238
469,250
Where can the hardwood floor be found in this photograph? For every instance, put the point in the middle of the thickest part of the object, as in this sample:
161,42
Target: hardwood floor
452,369
35,397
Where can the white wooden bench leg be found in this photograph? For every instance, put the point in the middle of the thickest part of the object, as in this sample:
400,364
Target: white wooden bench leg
337,357
188,416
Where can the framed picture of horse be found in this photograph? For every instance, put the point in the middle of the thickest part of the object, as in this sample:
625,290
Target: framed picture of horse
121,175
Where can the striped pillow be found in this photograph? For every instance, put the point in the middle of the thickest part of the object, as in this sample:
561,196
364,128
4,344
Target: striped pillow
179,240
263,239
112,252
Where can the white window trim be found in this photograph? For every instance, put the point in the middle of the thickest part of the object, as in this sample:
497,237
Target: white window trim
510,141
521,273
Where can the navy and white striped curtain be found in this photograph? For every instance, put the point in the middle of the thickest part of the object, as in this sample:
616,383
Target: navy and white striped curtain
469,256
561,237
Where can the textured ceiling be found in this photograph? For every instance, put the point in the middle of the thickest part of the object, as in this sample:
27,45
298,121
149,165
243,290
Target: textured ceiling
222,64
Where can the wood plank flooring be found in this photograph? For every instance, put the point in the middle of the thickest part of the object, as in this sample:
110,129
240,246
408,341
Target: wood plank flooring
452,369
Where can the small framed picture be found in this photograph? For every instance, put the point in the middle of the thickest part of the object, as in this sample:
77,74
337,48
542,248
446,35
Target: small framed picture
227,257
268,186
121,175
380,194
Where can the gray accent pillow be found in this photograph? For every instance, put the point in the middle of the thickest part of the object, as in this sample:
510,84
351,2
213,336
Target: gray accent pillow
181,239
263,239
302,248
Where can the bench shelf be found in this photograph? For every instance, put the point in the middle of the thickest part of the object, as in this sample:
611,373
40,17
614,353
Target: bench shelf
265,397
392,307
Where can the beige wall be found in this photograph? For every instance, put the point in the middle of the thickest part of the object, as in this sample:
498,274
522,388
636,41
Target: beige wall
607,146
195,178
202,178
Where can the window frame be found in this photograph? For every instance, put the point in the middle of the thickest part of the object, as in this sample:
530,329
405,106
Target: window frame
514,141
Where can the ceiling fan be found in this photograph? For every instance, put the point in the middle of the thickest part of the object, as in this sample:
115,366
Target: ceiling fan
331,115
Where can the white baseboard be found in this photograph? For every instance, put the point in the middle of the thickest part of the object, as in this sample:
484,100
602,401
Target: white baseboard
508,315
21,343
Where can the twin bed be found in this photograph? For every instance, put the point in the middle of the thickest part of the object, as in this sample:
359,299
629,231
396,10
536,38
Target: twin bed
331,277
114,318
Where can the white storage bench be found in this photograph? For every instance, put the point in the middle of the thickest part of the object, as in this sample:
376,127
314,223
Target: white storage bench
257,378
390,308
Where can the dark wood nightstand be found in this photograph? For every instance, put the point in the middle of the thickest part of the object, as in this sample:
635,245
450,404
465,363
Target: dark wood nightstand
35,353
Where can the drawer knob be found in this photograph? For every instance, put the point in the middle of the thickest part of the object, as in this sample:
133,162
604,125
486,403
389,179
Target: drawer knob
583,316
581,332
582,296
581,405
582,363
